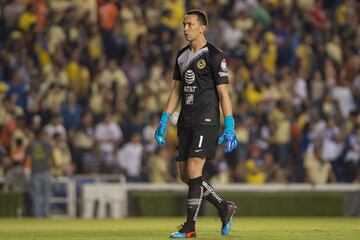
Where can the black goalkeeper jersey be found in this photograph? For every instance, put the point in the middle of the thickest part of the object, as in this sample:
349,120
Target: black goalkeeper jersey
199,73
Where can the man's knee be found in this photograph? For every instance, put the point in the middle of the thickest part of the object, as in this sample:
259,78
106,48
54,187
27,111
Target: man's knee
192,170
194,167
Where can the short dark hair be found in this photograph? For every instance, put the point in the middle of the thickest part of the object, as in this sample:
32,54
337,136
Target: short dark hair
200,14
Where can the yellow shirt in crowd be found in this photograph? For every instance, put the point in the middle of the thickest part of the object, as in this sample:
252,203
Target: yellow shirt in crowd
253,174
26,20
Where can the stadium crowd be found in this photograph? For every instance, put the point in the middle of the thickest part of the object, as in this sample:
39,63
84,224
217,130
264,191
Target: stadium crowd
87,81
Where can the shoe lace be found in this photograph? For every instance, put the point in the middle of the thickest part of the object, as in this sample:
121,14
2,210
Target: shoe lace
180,227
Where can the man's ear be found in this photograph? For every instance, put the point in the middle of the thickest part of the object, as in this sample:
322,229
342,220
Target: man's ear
203,28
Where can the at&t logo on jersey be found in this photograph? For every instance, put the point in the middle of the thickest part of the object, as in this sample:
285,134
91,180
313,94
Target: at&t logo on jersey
189,76
223,66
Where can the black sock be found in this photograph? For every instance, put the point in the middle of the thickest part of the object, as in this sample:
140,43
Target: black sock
211,196
194,199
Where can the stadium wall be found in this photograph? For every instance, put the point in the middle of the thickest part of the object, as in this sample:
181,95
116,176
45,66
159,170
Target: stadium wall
11,204
250,204
263,200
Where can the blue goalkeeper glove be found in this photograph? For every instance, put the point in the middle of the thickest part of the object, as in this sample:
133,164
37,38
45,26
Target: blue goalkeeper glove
160,130
229,135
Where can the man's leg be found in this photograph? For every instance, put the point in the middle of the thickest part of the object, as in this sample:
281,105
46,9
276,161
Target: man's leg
226,209
204,138
209,192
36,195
47,188
193,177
196,189
211,196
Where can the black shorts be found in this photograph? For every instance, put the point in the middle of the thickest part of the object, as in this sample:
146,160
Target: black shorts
197,141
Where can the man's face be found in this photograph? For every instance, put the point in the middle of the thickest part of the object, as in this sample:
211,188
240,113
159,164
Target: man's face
192,27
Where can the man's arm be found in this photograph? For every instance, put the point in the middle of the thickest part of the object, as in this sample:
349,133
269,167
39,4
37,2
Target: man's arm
27,165
225,101
171,105
174,98
228,135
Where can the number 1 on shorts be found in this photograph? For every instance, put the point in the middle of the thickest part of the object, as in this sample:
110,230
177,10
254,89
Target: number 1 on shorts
200,141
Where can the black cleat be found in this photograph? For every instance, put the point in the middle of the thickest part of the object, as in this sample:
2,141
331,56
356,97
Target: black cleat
184,231
226,218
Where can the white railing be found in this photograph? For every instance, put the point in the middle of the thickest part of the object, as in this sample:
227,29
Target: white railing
70,197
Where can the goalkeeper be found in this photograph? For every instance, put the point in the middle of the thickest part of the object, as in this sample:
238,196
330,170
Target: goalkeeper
201,83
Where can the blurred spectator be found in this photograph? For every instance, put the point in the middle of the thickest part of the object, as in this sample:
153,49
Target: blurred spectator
99,98
317,17
300,89
108,134
280,125
35,124
317,88
15,178
342,95
232,34
269,53
254,171
129,158
17,90
20,132
352,154
34,95
78,75
108,13
71,111
172,14
62,165
41,14
159,166
223,175
114,79
274,174
54,97
94,160
318,170
243,136
131,125
332,147
56,126
28,18
121,44
95,44
9,110
83,139
38,163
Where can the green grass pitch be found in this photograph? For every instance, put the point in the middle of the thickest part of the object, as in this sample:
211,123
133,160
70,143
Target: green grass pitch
160,228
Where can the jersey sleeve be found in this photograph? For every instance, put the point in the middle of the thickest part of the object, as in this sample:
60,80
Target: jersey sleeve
219,67
176,74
